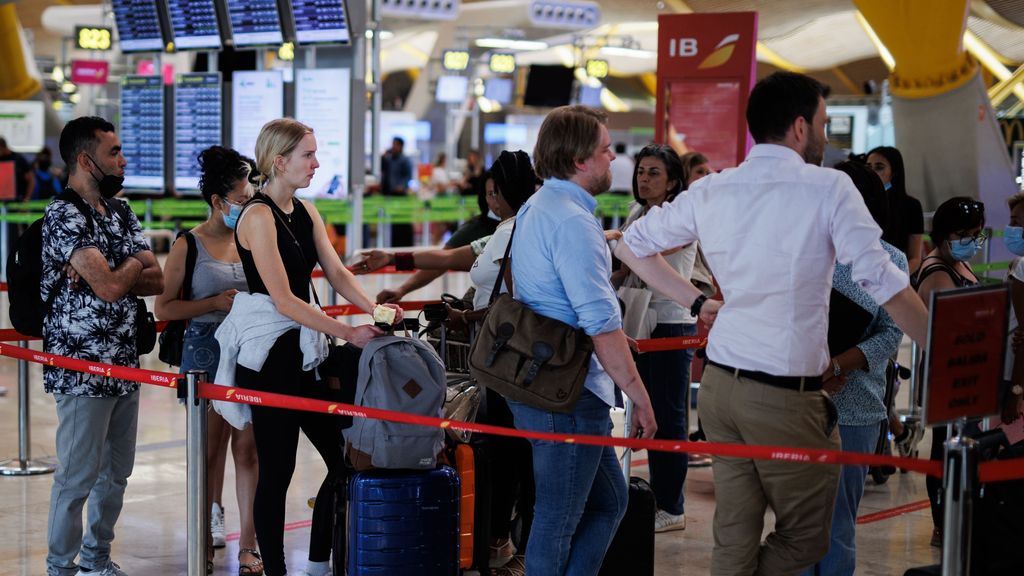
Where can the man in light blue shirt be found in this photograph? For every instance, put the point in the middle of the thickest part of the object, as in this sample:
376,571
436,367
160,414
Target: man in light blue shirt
561,267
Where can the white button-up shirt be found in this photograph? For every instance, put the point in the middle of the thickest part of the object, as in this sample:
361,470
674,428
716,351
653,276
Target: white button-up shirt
772,230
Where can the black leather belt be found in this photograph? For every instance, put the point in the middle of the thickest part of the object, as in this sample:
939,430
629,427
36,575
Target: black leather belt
799,383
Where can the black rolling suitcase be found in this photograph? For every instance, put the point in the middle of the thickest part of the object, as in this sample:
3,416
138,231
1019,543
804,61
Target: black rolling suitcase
632,550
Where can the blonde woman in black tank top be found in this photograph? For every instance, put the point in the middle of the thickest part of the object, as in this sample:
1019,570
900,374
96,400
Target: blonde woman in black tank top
280,239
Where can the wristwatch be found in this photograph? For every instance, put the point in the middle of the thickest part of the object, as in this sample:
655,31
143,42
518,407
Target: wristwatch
837,370
696,306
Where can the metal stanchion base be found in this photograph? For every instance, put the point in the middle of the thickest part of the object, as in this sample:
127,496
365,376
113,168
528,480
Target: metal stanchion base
15,467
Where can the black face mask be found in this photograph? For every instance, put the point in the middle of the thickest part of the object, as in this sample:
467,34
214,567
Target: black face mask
109,185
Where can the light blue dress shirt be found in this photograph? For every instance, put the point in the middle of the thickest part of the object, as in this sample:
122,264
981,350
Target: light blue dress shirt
561,267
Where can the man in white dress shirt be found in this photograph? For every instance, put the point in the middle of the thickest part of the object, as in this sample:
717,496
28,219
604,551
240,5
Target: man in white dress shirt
772,230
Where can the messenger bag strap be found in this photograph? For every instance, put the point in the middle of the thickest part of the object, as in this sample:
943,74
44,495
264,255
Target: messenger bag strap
504,266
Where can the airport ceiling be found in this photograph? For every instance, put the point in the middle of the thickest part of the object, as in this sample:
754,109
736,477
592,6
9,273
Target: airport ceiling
819,36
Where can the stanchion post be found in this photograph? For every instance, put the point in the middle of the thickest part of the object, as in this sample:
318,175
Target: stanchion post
198,512
24,465
960,475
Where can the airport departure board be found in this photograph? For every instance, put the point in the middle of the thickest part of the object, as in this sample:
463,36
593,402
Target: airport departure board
320,21
194,24
197,122
142,132
255,22
138,25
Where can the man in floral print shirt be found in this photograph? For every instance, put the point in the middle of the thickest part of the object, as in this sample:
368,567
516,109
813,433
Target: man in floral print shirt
94,271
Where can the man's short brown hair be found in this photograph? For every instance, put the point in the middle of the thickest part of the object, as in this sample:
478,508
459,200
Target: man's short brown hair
568,135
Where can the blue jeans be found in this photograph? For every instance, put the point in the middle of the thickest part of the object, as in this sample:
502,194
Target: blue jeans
201,351
841,559
666,376
581,493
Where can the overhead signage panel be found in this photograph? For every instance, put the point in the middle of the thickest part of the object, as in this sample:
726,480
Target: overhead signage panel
138,25
197,125
321,22
142,132
194,24
254,22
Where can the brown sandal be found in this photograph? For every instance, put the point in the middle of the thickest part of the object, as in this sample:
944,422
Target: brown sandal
254,568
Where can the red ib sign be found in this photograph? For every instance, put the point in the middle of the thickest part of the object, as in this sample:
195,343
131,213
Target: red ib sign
90,71
706,68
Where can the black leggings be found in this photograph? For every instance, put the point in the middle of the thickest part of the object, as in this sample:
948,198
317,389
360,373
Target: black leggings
277,437
511,473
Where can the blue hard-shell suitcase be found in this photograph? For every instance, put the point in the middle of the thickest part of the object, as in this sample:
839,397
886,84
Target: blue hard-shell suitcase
404,523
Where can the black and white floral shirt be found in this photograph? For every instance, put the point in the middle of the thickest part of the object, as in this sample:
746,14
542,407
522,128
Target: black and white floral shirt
80,324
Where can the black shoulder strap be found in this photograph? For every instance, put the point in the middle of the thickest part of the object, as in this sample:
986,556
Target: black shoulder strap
191,255
939,266
69,195
504,265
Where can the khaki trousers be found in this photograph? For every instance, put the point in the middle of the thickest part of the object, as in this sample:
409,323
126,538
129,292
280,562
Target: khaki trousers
739,410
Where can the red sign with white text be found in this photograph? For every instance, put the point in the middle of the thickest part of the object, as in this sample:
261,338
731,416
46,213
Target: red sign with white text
706,68
966,347
90,71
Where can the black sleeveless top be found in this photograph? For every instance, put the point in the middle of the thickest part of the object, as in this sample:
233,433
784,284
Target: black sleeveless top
926,270
294,242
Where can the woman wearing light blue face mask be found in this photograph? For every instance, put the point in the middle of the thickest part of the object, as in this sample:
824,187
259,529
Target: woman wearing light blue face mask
957,236
217,276
1013,390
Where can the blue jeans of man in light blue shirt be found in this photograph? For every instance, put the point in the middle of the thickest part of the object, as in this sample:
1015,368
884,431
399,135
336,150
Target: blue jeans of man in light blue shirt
841,559
581,493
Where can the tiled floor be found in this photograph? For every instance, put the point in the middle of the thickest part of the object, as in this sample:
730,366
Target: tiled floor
151,531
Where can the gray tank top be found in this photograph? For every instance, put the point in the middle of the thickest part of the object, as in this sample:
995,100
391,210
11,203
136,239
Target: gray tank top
211,277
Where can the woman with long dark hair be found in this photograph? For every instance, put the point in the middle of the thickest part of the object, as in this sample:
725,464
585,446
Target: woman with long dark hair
907,229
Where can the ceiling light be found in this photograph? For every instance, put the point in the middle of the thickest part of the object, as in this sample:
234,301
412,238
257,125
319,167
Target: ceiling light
384,34
506,44
628,52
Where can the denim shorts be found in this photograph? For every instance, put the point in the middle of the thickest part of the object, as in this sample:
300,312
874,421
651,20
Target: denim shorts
201,350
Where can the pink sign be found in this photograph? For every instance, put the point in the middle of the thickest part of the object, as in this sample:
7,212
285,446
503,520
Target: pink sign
145,68
89,71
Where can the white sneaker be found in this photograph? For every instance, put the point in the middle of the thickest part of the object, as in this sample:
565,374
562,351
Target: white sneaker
111,570
665,522
217,525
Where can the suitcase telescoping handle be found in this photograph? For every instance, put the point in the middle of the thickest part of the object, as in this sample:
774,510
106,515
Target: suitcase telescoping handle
627,456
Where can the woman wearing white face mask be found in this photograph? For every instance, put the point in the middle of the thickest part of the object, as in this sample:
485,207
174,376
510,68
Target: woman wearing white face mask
1013,236
216,277
957,235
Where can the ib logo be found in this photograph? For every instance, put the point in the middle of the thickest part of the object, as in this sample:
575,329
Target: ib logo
331,408
687,48
229,393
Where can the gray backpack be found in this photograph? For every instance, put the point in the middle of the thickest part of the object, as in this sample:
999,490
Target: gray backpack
404,375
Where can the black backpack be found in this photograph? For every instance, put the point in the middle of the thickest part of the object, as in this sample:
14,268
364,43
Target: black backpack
25,269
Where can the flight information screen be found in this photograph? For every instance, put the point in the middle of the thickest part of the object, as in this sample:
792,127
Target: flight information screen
142,132
138,25
197,122
194,24
320,21
255,22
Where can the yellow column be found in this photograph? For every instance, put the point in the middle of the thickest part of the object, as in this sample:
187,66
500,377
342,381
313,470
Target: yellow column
926,41
15,83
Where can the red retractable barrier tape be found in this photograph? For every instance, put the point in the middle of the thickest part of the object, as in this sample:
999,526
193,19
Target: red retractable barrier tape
990,471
